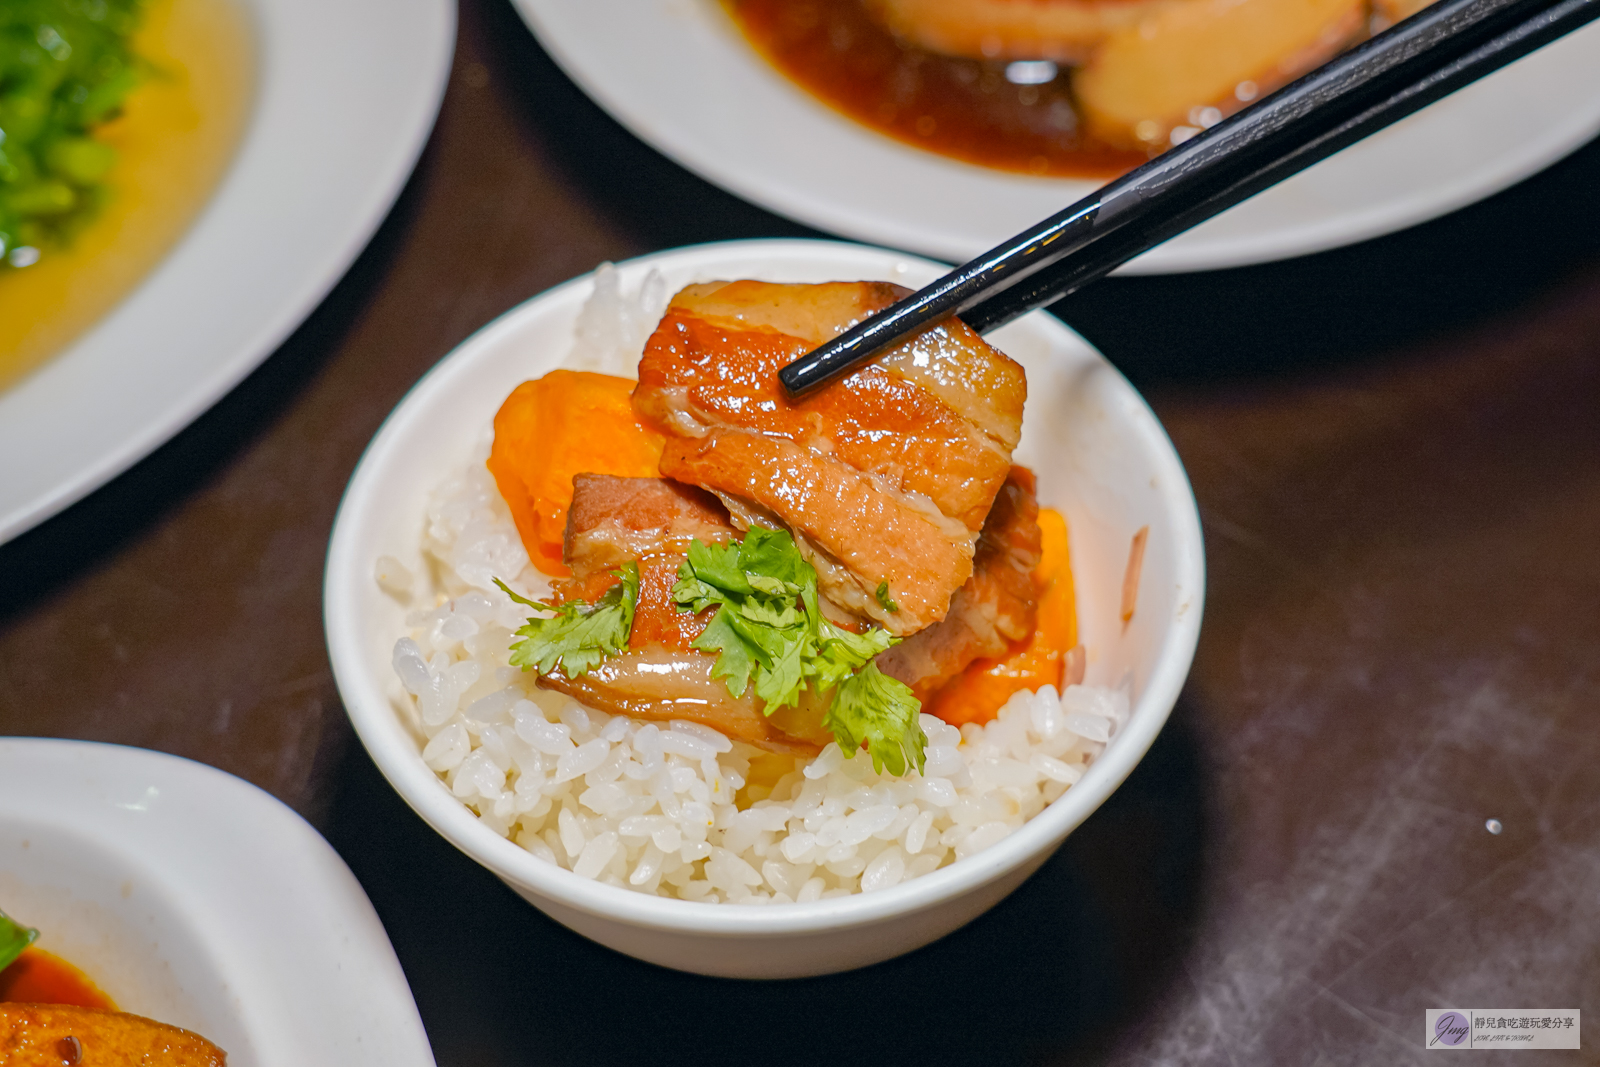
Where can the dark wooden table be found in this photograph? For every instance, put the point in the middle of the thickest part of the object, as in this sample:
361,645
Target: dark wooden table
1396,449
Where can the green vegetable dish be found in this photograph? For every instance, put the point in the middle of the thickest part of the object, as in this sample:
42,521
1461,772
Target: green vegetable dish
66,67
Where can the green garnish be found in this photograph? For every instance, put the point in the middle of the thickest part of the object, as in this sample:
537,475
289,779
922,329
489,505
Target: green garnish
65,68
768,628
870,706
13,939
579,635
883,599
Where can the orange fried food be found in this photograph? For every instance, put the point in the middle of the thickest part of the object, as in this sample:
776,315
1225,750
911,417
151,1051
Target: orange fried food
54,1035
994,609
552,428
1038,660
913,445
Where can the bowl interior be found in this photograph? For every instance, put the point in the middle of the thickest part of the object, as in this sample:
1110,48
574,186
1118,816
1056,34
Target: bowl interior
103,910
1100,456
194,898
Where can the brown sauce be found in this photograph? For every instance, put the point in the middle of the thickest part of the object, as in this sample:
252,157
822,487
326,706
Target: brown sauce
40,977
962,108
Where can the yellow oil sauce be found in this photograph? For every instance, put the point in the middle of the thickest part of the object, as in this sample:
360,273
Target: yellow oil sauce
174,140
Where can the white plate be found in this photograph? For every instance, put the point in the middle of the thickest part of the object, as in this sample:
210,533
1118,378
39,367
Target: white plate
195,898
678,74
1101,458
345,96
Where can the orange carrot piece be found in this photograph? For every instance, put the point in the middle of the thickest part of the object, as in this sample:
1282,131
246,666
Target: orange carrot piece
566,423
976,694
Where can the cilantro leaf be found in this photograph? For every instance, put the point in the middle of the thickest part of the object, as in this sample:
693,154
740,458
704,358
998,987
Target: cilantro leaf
518,598
737,657
718,566
884,600
14,937
882,711
781,680
768,630
842,652
580,635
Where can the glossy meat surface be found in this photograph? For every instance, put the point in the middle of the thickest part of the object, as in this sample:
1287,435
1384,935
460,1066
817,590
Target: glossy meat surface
995,607
858,536
661,676
885,475
662,685
613,520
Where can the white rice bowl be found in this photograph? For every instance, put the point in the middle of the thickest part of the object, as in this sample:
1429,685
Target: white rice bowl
651,806
851,866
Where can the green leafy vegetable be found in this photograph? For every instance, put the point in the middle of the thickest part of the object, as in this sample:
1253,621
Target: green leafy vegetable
65,68
579,635
769,630
872,707
883,599
13,939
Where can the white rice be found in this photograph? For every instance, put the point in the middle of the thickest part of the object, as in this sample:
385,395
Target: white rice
663,808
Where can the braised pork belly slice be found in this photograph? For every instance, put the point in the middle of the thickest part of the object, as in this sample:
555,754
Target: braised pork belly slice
921,436
858,536
659,684
613,520
662,675
995,607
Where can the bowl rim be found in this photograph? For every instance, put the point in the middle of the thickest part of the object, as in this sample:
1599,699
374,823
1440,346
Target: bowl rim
395,752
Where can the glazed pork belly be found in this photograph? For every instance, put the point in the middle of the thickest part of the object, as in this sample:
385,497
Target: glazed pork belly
661,675
996,606
884,476
613,520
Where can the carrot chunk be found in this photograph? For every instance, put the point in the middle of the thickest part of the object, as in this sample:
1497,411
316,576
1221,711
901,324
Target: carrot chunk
977,693
549,429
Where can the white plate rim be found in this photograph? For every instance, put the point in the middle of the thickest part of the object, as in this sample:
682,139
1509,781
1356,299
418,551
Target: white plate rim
337,141
164,807
397,756
1555,134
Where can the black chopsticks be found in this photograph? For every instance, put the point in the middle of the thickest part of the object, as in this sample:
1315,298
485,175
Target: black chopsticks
1397,72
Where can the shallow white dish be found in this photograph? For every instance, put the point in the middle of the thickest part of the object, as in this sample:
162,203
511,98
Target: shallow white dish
344,98
1100,455
195,898
680,76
